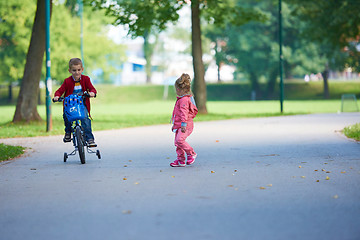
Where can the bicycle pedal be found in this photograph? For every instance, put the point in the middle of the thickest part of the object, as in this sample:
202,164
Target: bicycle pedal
92,146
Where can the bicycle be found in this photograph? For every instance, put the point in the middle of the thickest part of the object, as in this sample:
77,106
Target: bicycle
77,114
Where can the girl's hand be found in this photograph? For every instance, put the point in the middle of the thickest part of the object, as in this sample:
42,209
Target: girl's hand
183,129
92,94
55,99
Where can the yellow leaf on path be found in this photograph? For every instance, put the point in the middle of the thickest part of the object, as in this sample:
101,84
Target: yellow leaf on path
335,196
136,183
230,185
328,171
217,141
212,171
303,177
124,178
173,176
269,185
315,170
327,178
299,166
323,170
343,172
262,188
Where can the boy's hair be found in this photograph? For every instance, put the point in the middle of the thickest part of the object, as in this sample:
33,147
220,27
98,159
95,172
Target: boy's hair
184,82
75,61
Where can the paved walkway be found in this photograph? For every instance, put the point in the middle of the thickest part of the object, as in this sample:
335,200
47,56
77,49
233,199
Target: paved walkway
293,177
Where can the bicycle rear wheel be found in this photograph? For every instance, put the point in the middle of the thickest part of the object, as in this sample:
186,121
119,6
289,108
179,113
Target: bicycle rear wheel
80,144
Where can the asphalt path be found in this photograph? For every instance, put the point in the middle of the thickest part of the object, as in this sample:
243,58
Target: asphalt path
290,177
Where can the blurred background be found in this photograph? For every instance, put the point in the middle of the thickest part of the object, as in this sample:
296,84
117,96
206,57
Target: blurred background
150,43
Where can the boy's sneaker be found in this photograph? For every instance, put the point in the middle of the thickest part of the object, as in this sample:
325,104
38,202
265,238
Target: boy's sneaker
191,159
91,143
67,137
178,163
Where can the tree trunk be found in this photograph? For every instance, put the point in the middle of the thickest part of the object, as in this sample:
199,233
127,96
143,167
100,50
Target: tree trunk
271,83
147,55
255,87
10,93
325,76
199,70
26,107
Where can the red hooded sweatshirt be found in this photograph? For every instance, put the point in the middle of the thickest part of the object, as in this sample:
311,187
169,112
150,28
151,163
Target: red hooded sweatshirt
68,85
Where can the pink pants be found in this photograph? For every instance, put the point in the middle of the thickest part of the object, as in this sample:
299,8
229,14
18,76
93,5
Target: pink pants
181,145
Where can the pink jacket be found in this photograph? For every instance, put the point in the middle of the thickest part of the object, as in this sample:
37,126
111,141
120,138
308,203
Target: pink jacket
184,112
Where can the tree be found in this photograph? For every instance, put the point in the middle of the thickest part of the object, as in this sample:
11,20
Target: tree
140,16
14,39
253,47
27,100
336,26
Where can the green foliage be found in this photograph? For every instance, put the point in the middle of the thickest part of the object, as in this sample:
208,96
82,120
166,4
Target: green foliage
16,19
99,51
353,131
333,24
8,152
140,16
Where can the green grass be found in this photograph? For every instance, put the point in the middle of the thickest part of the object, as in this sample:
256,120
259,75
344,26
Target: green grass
8,152
353,131
121,115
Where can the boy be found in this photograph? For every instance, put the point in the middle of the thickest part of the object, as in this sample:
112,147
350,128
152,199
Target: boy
77,83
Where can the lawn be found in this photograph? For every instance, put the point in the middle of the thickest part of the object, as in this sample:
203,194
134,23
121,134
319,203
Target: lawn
133,114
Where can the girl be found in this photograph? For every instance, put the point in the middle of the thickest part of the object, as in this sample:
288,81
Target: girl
182,118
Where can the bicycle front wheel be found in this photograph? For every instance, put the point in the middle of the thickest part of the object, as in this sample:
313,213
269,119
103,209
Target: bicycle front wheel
80,144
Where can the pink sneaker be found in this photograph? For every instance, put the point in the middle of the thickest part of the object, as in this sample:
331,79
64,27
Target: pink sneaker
191,159
178,163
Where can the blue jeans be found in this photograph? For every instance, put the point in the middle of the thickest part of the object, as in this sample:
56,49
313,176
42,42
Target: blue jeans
85,124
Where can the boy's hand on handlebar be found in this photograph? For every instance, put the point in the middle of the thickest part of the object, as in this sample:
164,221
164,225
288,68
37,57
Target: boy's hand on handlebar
92,94
55,99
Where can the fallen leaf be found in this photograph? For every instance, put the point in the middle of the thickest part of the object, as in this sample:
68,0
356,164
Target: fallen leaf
262,188
126,212
33,169
125,165
136,183
315,170
317,180
323,170
230,185
160,170
269,185
173,176
335,196
299,166
212,171
235,170
328,171
325,163
217,141
124,178
303,177
343,172
327,178
130,160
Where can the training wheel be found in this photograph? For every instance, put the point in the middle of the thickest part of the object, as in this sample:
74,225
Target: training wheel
65,157
98,154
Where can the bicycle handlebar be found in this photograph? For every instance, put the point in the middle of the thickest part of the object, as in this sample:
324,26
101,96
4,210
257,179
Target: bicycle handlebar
83,94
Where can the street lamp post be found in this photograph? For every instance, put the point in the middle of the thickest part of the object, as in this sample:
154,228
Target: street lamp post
281,60
48,65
